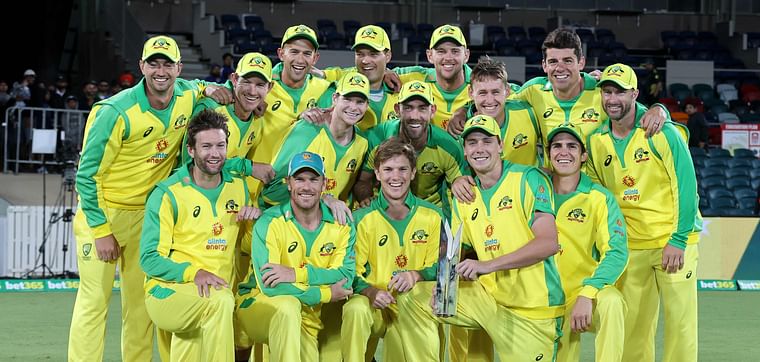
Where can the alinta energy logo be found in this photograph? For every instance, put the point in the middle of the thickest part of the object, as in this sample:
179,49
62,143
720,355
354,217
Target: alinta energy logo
519,141
160,156
419,237
216,243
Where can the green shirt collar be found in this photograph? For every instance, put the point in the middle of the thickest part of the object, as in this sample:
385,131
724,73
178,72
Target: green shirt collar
184,174
589,82
431,75
381,203
584,184
142,98
606,127
327,216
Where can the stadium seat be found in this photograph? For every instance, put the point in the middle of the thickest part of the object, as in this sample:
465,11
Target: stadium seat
335,41
425,30
747,203
674,87
749,118
716,162
263,37
755,183
605,36
703,204
739,212
710,212
744,192
252,22
722,203
586,35
738,182
719,153
697,152
727,92
405,30
744,153
718,192
743,164
680,117
754,173
710,171
728,117
537,33
516,33
712,182
230,21
734,172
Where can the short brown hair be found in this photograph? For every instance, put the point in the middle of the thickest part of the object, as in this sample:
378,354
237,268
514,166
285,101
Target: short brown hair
205,120
393,147
562,38
488,69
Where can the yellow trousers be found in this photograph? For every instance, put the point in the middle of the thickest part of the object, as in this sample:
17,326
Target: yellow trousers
607,323
201,327
513,335
329,338
643,285
364,325
469,345
88,321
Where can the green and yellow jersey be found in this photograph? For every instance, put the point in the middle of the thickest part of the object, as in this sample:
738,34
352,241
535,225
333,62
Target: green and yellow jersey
342,163
188,228
592,237
441,160
379,111
128,148
519,132
241,137
653,181
320,258
446,102
498,222
385,246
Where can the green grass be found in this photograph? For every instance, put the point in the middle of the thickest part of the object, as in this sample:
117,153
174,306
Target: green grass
35,327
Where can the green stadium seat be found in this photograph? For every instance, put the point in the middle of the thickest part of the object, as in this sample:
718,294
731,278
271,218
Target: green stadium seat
716,162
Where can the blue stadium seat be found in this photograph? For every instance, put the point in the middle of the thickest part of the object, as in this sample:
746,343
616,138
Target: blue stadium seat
740,163
713,182
253,22
710,171
230,21
722,203
747,203
738,182
739,212
754,173
741,193
719,153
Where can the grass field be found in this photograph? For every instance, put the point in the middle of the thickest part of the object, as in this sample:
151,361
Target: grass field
35,327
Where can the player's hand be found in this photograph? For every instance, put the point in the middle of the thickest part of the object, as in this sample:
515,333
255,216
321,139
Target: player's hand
470,269
338,292
277,274
364,203
672,259
248,213
204,280
456,122
653,120
462,188
317,115
404,281
340,210
392,80
317,72
596,74
380,299
260,109
263,172
221,95
580,320
108,248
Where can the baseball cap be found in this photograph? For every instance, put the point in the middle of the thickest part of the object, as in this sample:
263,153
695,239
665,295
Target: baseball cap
372,36
620,74
255,63
306,160
161,45
481,122
29,72
448,32
416,89
566,127
353,83
300,31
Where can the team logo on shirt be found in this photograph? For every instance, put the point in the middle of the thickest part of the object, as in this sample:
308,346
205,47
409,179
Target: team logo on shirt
641,155
590,115
147,131
391,115
331,183
368,34
161,145
311,103
196,211
86,249
618,228
608,160
428,168
159,157
351,166
276,105
548,112
505,203
445,124
419,237
489,230
383,240
180,122
492,245
629,181
292,247
217,228
327,249
232,207
576,215
519,141
401,261
251,137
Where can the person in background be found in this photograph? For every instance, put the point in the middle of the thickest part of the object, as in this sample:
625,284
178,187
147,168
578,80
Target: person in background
651,84
60,92
698,134
104,90
228,65
215,74
89,95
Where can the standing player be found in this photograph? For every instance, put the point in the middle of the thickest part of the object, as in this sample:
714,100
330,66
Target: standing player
439,157
516,297
131,143
654,183
593,251
397,239
302,258
187,246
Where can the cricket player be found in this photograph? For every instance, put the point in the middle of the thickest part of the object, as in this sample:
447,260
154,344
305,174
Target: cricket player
593,251
653,180
131,143
342,147
397,240
516,296
302,258
187,246
439,157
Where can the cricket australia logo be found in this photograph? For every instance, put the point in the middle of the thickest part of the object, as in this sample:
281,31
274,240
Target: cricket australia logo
477,121
590,115
86,249
161,43
641,155
351,167
447,30
256,62
417,87
302,29
419,237
615,71
505,203
311,103
519,141
231,207
327,249
356,81
369,34
180,122
428,168
576,215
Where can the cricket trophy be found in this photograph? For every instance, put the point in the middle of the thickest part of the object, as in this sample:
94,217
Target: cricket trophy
448,279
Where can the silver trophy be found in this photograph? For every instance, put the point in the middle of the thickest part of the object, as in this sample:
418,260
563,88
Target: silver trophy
448,279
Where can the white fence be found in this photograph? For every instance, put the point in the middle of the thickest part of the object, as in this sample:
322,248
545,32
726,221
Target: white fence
21,247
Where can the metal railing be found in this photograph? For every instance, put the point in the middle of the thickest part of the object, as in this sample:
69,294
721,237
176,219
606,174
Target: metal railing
17,135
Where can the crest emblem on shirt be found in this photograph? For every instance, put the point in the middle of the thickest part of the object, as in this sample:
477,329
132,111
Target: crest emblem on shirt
251,137
86,249
428,168
419,237
401,261
629,181
217,229
231,207
331,183
311,103
161,145
641,155
351,167
505,203
590,115
576,215
489,230
391,115
519,141
180,122
327,249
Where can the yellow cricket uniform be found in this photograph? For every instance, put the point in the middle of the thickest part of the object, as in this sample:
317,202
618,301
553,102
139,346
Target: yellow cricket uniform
128,148
378,111
441,160
287,316
653,180
342,163
528,300
385,247
593,254
188,228
519,132
446,102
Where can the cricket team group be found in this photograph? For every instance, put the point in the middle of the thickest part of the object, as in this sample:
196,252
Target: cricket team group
296,213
